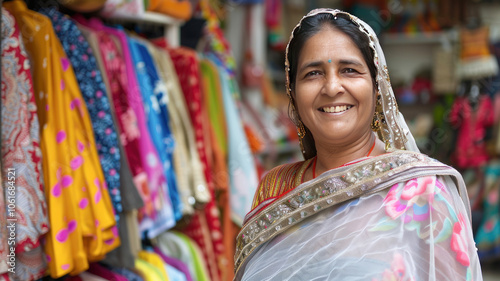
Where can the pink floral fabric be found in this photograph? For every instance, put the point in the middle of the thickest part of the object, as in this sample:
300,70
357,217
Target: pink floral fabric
423,205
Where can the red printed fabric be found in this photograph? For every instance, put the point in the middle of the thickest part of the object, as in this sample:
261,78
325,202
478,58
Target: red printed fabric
21,156
472,123
205,227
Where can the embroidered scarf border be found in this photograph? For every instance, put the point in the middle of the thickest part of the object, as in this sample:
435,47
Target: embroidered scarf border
329,189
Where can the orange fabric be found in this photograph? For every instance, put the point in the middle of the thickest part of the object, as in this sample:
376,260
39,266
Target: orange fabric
180,9
474,43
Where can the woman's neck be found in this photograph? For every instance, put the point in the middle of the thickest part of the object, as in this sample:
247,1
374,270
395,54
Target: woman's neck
330,157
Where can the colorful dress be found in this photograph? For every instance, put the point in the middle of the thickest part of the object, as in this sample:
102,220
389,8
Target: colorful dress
114,69
94,93
82,224
155,106
472,123
204,226
148,156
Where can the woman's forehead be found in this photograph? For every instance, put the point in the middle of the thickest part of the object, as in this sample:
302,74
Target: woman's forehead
330,42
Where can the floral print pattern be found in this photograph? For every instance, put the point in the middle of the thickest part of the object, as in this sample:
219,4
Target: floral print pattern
422,205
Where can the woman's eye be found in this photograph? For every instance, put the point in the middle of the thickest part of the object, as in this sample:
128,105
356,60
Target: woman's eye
312,73
350,70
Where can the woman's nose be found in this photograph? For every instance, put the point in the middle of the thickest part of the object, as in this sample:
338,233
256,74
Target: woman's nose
333,84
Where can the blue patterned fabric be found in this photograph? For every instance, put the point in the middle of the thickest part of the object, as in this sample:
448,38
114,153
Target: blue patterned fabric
93,91
155,104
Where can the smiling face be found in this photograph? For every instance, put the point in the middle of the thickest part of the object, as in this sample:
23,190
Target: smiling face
333,89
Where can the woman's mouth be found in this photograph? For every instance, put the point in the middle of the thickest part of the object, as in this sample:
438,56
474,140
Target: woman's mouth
335,109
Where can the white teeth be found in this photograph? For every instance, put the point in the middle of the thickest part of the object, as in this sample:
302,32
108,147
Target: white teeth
336,109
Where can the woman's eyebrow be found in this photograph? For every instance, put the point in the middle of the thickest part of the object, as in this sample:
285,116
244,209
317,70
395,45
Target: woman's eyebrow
319,62
355,62
310,64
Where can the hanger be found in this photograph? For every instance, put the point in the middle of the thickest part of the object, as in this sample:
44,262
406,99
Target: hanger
474,94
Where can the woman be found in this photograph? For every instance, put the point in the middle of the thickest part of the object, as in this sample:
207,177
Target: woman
364,205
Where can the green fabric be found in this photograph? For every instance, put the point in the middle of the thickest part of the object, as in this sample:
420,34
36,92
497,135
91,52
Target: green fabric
197,258
213,101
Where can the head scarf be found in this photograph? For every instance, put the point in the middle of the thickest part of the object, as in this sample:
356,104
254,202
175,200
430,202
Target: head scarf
393,130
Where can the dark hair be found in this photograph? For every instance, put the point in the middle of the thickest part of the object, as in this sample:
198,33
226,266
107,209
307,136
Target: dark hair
308,28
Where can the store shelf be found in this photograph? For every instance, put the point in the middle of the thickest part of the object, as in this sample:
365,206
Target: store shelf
172,25
150,17
419,38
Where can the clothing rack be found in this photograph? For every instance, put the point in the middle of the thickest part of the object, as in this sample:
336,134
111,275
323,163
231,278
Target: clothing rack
171,25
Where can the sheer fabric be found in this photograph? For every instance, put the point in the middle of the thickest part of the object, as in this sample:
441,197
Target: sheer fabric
416,230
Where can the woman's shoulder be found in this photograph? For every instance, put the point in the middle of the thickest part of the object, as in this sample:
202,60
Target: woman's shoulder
284,172
279,180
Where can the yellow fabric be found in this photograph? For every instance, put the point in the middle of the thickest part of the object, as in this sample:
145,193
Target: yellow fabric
147,271
155,260
82,225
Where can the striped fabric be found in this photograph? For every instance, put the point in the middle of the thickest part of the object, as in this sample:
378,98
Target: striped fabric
280,180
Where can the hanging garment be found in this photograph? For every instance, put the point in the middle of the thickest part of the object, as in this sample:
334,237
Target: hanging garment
174,274
470,147
156,261
155,105
148,153
181,247
126,253
164,219
177,264
95,95
148,271
243,173
105,273
488,234
213,104
113,56
205,227
184,135
130,275
21,157
82,224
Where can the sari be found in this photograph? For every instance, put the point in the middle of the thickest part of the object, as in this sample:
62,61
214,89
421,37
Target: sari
396,216
399,215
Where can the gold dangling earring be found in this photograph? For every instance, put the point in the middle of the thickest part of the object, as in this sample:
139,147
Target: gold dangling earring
301,132
375,123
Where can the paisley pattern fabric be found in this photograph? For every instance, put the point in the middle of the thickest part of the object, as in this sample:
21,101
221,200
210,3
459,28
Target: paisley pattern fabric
94,93
21,152
82,224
